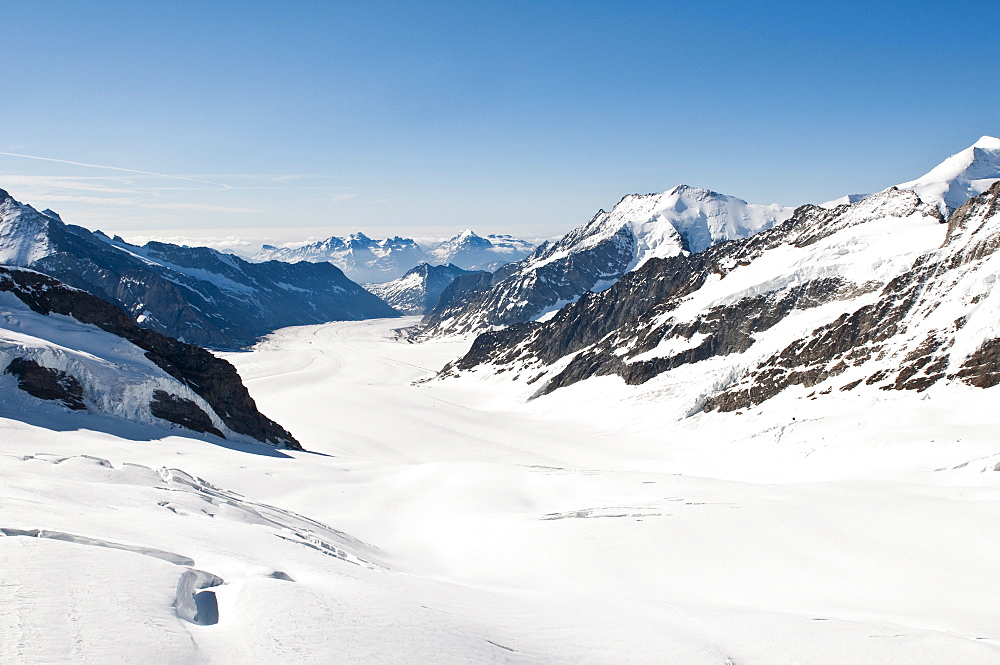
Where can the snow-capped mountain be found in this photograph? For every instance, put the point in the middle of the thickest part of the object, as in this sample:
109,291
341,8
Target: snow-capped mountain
473,252
420,289
879,293
370,261
954,181
960,177
77,352
597,254
360,257
196,294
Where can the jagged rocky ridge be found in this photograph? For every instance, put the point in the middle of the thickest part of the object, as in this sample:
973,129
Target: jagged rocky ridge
366,260
597,254
878,293
89,355
196,294
420,289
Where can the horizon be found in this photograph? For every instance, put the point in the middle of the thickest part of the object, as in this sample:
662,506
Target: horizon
420,122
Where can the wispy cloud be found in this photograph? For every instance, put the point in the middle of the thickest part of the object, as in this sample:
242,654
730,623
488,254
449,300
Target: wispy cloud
139,203
115,168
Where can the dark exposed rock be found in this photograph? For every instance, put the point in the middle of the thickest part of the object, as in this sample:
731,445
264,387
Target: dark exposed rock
982,368
181,411
47,383
213,379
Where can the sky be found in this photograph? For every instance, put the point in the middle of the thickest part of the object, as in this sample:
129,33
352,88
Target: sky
242,121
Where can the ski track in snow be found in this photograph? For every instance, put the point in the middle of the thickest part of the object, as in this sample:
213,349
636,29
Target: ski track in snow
449,522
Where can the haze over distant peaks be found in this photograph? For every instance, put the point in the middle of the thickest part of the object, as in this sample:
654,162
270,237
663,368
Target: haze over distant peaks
371,261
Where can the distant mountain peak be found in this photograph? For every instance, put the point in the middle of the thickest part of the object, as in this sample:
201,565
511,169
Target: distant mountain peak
955,180
987,143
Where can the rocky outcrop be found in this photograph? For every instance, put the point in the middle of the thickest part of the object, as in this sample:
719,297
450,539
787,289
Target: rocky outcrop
181,411
47,383
213,379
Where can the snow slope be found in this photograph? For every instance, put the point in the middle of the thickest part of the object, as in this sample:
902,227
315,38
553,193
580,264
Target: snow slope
464,526
960,177
954,181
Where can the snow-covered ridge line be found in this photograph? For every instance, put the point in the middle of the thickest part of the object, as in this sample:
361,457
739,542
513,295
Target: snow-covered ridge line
876,295
371,261
597,254
954,181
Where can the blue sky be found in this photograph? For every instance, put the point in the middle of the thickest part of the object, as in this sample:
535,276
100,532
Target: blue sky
283,119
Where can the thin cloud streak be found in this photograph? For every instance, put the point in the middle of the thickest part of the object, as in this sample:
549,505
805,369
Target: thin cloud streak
135,203
115,168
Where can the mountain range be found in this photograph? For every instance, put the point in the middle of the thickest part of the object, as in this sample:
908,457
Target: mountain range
682,221
370,261
876,294
597,254
195,294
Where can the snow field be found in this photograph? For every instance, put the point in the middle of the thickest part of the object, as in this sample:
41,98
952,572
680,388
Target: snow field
450,521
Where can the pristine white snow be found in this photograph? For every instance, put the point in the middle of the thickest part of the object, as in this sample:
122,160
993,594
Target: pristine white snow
954,181
960,177
450,522
661,223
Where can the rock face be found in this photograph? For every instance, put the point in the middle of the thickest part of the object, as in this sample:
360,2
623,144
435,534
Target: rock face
125,370
597,254
46,383
183,412
878,294
378,261
420,289
193,293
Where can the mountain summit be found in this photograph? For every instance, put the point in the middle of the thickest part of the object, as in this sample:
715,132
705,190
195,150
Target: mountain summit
379,261
597,254
954,181
960,177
